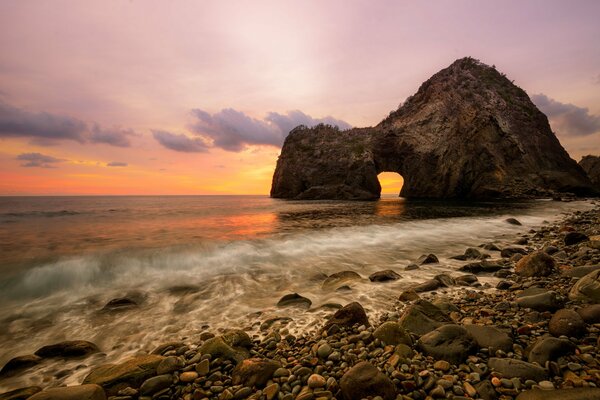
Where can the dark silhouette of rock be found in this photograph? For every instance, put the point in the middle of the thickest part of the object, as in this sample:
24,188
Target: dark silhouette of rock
384,276
120,304
575,237
513,221
450,342
535,264
294,299
468,132
591,166
508,252
18,364
481,267
364,380
348,316
428,259
340,278
72,348
549,349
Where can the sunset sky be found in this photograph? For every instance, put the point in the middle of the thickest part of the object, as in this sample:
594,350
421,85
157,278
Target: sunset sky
196,97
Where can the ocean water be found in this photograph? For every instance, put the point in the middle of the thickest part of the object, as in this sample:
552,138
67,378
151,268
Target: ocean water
207,263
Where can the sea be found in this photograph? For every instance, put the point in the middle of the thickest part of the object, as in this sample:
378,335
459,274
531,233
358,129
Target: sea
196,264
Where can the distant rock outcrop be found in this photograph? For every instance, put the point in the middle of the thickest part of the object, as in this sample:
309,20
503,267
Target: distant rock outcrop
468,132
591,166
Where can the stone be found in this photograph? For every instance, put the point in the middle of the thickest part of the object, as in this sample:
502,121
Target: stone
545,301
237,338
450,342
510,251
203,367
441,365
481,267
535,264
448,140
340,278
587,288
348,316
445,280
156,384
217,347
364,380
591,166
548,349
81,392
294,299
254,372
316,381
132,372
490,337
68,349
511,368
271,391
572,238
427,286
466,280
580,272
423,317
188,376
513,221
408,295
561,394
428,259
567,322
324,351
21,393
120,304
392,333
170,364
486,390
384,276
18,364
411,267
590,314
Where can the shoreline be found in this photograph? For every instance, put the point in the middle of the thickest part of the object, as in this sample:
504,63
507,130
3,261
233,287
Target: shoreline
322,364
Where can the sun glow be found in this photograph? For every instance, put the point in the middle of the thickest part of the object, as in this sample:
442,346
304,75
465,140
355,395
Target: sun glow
391,182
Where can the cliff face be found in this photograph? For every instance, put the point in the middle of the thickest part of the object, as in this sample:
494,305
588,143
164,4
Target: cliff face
591,166
468,132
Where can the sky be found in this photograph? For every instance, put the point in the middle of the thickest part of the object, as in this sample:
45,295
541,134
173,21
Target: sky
196,97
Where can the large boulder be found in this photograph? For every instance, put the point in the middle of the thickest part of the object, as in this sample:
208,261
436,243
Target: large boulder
391,332
568,323
295,300
590,314
544,301
511,368
18,364
68,349
468,132
254,372
490,337
587,288
549,349
82,392
132,372
587,393
572,238
591,166
423,317
452,343
535,264
347,316
364,380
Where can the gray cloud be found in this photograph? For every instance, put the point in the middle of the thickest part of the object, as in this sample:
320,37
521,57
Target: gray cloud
233,130
47,129
114,136
180,142
38,160
567,119
116,164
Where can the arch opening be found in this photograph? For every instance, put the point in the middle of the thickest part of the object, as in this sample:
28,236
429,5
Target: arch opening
391,183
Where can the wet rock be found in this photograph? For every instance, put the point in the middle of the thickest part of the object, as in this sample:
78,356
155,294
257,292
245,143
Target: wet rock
423,317
508,252
481,267
364,380
340,278
490,337
590,314
512,221
427,286
392,333
254,372
466,280
294,299
486,390
165,347
546,301
549,349
535,264
452,343
445,280
572,238
580,272
74,348
408,295
587,288
237,338
21,393
156,384
566,322
470,253
188,376
130,373
18,364
120,304
411,267
170,364
217,347
511,368
384,276
428,259
347,316
316,381
561,394
81,392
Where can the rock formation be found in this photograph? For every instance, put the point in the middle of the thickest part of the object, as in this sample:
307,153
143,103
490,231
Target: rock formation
468,132
591,166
